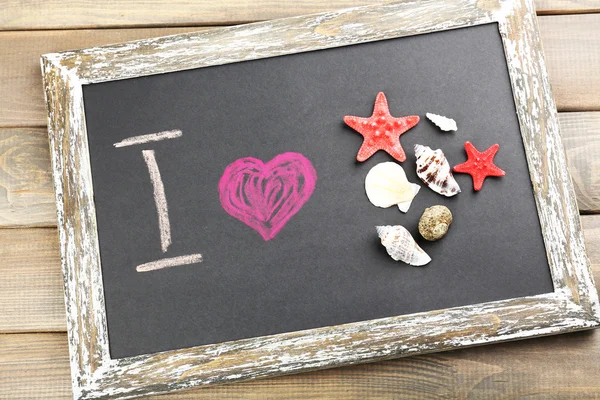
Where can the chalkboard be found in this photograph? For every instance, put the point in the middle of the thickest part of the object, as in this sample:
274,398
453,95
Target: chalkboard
326,266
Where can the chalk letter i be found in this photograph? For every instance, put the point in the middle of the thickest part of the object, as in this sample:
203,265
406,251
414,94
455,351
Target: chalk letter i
160,200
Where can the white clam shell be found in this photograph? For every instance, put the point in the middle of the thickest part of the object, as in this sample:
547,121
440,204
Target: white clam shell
386,185
401,246
444,123
433,169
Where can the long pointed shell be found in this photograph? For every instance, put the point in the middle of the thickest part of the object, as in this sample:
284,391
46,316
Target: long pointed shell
444,123
434,170
401,246
386,185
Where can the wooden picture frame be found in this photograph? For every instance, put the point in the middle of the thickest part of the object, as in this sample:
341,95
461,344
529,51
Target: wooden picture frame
572,306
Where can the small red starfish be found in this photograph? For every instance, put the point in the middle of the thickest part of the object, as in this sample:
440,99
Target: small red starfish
479,164
381,131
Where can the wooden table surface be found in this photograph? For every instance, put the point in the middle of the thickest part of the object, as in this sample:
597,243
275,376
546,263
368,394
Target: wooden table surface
33,343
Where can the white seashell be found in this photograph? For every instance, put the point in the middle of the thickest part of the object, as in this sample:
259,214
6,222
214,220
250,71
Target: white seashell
406,205
386,185
434,170
444,123
401,246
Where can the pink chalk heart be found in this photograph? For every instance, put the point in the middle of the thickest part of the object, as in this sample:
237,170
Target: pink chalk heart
266,196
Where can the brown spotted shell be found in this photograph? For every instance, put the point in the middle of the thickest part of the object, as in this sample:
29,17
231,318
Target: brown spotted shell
434,170
434,222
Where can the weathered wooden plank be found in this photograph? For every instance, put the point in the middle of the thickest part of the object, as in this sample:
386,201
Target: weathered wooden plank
31,286
572,51
27,196
581,138
26,191
559,367
31,293
572,62
34,366
591,232
566,6
70,14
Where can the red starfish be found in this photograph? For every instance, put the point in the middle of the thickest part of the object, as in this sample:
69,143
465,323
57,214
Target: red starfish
381,131
479,164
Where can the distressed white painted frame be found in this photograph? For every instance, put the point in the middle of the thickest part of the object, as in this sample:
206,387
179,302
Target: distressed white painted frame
572,306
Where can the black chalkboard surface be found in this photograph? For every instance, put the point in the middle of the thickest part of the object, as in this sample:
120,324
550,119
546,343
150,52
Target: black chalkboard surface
326,266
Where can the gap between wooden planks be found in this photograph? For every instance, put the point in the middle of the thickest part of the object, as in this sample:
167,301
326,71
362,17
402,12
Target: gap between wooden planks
70,14
571,43
27,196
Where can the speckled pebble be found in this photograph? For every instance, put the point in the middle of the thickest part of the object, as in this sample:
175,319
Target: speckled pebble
434,222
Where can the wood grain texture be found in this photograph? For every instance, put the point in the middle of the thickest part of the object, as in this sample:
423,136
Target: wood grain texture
552,185
566,6
27,195
591,232
565,367
34,366
31,285
572,306
573,58
581,137
572,63
69,14
26,191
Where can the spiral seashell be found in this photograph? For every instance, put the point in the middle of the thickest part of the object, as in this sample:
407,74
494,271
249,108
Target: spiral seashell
386,185
401,246
434,170
434,223
444,123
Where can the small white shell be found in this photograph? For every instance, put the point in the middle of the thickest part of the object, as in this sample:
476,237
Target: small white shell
401,246
386,185
444,123
434,170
